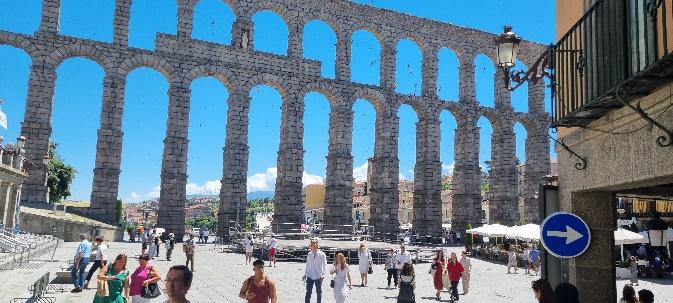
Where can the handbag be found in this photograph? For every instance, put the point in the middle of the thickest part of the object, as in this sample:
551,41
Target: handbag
150,291
331,283
102,288
371,270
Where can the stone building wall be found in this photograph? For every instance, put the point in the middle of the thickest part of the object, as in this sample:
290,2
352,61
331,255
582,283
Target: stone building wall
182,59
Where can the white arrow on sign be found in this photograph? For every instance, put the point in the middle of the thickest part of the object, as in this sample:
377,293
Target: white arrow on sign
570,234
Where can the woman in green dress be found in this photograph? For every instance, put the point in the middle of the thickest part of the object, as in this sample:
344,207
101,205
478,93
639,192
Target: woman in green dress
117,279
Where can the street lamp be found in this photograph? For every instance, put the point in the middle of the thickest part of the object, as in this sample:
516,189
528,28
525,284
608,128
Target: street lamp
507,47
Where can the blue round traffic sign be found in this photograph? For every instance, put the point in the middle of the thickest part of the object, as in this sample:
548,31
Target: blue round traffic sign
565,235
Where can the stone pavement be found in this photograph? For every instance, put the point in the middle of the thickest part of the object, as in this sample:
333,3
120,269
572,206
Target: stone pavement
219,276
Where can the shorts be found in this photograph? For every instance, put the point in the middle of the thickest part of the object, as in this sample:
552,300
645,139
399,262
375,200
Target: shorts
536,263
272,252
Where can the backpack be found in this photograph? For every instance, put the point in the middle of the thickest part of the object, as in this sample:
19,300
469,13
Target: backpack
407,291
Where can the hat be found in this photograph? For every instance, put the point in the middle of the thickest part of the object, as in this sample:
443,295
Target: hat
171,235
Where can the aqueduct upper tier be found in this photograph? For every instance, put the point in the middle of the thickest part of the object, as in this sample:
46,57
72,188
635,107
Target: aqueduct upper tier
181,59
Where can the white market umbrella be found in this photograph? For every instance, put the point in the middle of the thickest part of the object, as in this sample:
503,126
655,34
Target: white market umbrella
495,230
624,236
528,232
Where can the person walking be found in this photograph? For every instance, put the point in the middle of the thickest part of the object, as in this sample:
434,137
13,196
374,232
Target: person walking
178,282
341,275
511,261
407,284
455,270
543,291
157,242
201,235
80,262
364,263
272,246
117,278
526,259
189,248
437,269
170,245
458,238
390,266
151,242
467,267
143,275
628,295
633,266
403,257
247,243
535,259
206,234
314,273
101,259
259,288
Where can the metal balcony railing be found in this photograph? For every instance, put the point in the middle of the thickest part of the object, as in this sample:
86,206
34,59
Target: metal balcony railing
618,47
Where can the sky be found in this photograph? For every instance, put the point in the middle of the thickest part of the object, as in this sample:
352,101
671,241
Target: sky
78,93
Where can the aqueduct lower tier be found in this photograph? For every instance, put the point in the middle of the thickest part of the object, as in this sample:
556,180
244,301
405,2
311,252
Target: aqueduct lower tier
182,59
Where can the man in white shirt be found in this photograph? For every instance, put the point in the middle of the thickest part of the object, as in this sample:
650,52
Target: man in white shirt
465,276
273,245
403,257
101,259
316,265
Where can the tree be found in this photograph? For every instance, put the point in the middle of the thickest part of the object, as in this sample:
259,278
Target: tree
59,175
120,211
485,187
209,222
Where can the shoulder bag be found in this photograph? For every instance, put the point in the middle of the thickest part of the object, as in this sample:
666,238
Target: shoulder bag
102,288
150,291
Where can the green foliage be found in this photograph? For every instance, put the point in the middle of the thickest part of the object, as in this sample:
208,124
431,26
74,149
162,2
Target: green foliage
130,229
255,207
208,222
59,175
120,211
468,237
623,264
485,187
446,186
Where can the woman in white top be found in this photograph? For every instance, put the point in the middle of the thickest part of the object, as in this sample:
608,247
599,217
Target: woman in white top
364,263
248,249
341,275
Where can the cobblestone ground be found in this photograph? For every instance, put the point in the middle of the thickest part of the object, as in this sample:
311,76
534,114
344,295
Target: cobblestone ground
219,276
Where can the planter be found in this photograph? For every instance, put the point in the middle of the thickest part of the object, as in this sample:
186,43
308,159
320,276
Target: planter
623,273
657,237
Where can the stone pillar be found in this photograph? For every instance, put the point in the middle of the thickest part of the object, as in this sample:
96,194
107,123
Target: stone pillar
13,195
288,203
241,33
536,97
383,175
185,20
388,64
466,81
466,176
537,166
295,48
339,180
36,127
172,195
595,269
503,96
121,22
3,203
343,56
105,186
51,11
429,79
504,200
428,179
233,199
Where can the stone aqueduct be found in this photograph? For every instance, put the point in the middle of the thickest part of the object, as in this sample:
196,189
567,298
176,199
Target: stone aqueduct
182,59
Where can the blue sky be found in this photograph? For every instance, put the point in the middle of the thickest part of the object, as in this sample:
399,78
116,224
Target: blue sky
78,93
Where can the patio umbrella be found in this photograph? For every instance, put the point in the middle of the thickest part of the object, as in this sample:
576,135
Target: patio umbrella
528,232
625,236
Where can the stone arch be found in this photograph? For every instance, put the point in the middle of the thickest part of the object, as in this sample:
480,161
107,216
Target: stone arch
324,17
374,30
60,54
375,97
267,79
20,43
456,109
225,4
421,43
493,116
325,88
146,60
422,109
226,77
288,16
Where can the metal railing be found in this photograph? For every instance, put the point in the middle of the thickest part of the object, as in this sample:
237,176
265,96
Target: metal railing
19,247
617,43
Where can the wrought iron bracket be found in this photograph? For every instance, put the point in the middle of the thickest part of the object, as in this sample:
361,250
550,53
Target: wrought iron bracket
664,140
582,164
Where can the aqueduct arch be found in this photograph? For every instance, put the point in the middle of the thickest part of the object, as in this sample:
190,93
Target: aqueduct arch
182,59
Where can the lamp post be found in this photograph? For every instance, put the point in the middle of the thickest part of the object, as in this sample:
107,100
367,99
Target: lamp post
507,47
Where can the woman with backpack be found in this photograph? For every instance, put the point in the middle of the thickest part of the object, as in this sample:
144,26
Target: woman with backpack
259,288
407,284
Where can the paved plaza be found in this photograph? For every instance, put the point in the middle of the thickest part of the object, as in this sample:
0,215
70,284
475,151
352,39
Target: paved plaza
218,278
